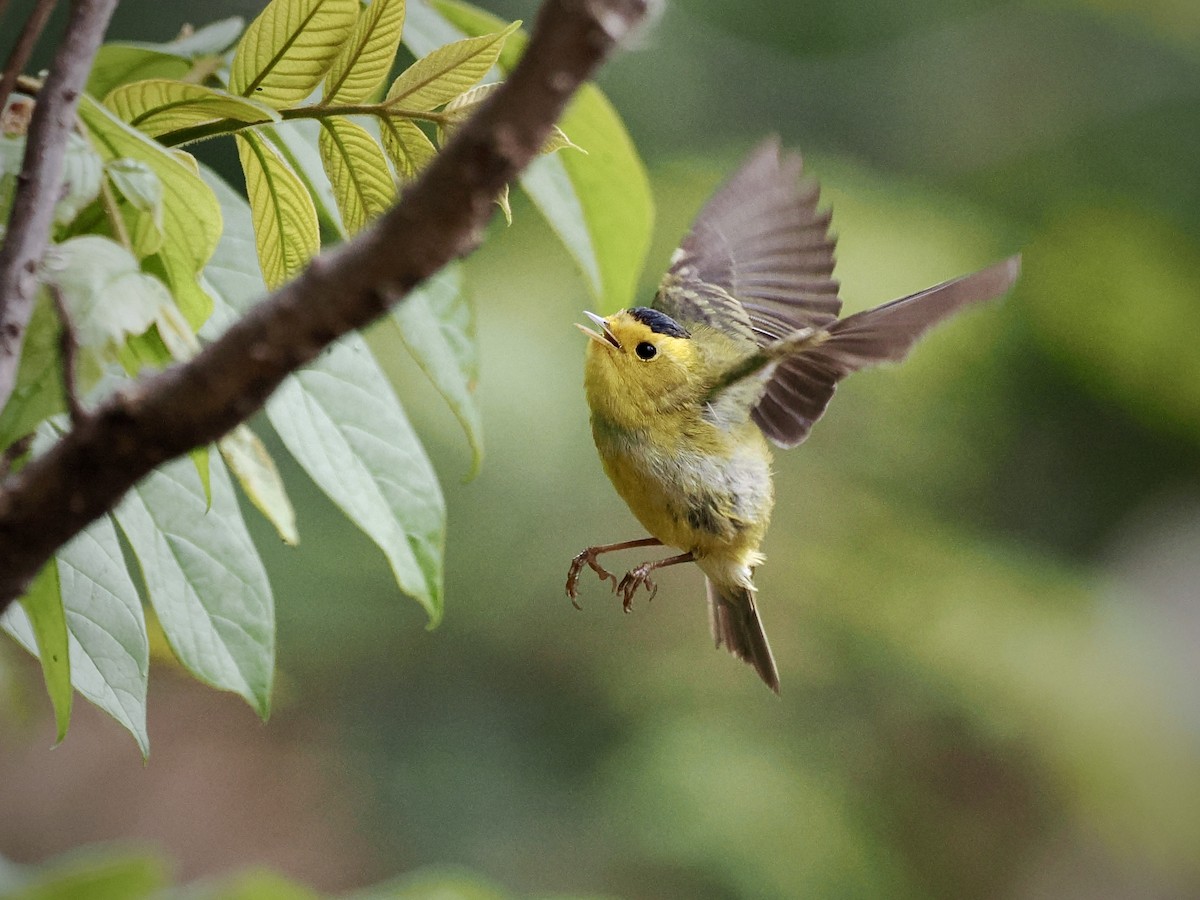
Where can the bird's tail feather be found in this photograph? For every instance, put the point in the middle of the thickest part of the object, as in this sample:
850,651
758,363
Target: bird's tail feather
735,624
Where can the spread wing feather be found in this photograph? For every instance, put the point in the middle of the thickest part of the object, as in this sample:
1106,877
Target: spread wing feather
758,264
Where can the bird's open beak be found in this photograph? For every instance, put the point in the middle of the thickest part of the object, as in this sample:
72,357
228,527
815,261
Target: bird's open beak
606,337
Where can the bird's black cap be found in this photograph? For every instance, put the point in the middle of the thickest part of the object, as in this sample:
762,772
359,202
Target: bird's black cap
658,322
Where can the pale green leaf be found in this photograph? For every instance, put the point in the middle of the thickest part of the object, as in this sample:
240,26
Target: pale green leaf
191,216
204,578
341,421
464,106
407,146
255,470
137,183
207,40
286,232
366,58
447,71
109,651
233,271
502,202
599,204
142,210
438,328
161,108
83,171
358,171
118,64
106,293
48,621
558,140
286,51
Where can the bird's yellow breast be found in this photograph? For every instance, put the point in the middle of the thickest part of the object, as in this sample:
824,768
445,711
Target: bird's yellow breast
690,483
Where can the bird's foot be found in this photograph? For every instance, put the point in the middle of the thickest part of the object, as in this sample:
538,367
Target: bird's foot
589,557
634,579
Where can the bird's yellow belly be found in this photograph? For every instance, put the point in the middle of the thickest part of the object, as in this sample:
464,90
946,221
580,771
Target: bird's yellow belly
710,503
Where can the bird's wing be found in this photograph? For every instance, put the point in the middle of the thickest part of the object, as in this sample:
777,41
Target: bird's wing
802,385
758,261
758,264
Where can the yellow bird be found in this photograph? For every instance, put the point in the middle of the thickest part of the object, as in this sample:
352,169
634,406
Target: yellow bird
742,344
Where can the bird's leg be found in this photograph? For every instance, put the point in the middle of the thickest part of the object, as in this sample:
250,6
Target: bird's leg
639,577
590,556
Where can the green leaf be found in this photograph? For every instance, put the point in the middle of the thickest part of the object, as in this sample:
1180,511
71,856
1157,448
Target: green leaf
286,51
599,204
437,326
407,146
199,457
204,578
118,64
233,270
341,421
136,184
286,232
358,171
255,470
106,293
297,143
44,607
109,651
366,58
191,216
158,107
447,71
467,104
38,393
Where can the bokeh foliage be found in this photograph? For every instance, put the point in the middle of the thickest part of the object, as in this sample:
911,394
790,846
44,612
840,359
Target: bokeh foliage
983,695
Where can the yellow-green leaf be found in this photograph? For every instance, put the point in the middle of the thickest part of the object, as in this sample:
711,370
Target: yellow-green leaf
448,71
255,470
598,204
367,57
286,51
160,107
362,183
191,220
407,146
43,604
467,104
286,233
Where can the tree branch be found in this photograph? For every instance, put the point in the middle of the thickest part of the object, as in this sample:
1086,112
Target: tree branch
23,48
40,181
440,217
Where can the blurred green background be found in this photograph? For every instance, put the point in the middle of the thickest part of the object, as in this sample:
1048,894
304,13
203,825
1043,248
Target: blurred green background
983,576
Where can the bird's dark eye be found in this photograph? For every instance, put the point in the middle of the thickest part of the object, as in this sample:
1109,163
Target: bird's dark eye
646,350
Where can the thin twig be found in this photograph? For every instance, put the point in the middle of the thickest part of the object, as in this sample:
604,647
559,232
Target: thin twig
23,48
41,178
68,349
440,217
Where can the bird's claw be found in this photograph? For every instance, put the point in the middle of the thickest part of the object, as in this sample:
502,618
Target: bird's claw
591,558
634,579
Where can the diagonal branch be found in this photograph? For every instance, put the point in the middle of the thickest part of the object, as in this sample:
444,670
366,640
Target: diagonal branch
440,217
40,181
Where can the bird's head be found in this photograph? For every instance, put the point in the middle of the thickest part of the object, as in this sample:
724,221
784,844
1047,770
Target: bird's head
640,363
